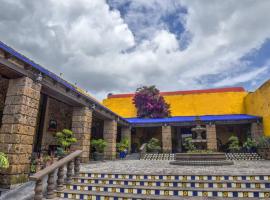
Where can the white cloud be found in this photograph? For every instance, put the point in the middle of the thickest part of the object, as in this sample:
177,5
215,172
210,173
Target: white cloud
105,52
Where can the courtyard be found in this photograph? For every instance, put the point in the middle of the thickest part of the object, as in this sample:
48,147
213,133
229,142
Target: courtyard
165,168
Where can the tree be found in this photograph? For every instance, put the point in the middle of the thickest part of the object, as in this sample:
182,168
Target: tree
150,104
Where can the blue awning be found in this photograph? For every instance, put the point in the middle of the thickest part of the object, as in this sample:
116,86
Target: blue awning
204,118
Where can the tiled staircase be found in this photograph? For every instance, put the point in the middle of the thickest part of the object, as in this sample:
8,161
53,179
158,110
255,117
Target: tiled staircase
131,186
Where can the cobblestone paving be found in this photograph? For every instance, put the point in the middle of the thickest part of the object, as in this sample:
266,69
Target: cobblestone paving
164,167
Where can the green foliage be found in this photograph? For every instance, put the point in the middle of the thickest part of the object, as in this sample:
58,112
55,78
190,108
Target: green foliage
123,145
189,145
249,143
201,151
234,145
3,161
65,138
153,145
263,142
99,145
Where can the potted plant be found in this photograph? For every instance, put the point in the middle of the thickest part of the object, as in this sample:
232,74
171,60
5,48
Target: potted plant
122,147
189,145
3,161
153,146
234,145
64,139
263,147
99,146
250,145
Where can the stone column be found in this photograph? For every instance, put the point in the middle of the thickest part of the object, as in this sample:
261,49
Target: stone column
126,133
166,139
18,128
81,126
211,136
109,135
256,130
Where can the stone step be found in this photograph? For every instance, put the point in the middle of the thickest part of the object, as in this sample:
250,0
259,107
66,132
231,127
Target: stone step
163,194
138,177
91,195
173,183
154,189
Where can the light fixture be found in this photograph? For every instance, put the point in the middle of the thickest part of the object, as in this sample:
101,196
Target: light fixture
93,106
39,78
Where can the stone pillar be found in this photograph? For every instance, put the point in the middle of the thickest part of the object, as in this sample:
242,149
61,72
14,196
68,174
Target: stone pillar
18,128
81,126
126,133
256,130
109,135
166,139
211,136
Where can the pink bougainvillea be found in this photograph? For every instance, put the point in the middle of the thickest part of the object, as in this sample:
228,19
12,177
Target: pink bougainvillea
150,104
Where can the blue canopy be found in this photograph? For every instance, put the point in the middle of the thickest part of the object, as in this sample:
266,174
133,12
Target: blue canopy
204,118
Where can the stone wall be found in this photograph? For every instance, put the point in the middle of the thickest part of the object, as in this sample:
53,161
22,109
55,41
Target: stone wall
211,136
81,126
62,114
109,135
126,133
256,130
166,139
18,128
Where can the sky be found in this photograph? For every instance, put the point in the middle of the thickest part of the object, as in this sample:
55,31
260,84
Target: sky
116,46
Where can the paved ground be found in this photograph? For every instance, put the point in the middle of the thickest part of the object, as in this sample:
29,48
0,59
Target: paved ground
151,167
163,167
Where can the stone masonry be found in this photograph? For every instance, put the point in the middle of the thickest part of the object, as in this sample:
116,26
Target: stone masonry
166,139
211,136
81,126
126,133
109,135
256,130
18,128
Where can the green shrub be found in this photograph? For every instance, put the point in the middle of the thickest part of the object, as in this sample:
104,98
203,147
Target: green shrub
234,144
99,145
263,142
123,145
65,139
189,145
3,161
249,143
153,145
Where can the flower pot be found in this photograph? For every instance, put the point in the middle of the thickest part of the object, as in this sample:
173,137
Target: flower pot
97,156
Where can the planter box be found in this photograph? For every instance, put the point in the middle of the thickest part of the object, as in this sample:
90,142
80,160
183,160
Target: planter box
264,152
200,156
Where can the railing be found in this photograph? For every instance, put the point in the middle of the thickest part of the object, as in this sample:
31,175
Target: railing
142,150
50,171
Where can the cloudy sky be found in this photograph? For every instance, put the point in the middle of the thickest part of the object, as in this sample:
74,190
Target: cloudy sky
118,45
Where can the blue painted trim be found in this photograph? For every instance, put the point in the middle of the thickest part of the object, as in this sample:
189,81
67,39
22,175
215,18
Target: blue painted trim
205,118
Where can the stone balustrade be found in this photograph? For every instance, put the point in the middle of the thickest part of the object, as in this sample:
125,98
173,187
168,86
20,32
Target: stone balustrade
72,161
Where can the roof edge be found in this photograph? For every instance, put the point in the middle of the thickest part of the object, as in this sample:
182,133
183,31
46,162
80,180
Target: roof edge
185,92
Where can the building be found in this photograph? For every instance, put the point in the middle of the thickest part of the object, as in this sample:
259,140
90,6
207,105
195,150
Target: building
35,104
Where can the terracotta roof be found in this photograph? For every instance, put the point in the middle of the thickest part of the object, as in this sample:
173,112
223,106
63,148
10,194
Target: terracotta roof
214,90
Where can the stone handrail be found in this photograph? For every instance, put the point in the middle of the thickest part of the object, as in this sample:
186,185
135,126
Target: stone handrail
142,150
50,171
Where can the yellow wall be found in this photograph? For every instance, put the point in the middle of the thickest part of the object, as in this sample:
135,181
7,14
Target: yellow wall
187,104
258,103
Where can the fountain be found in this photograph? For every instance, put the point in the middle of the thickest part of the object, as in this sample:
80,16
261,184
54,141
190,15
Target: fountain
200,158
199,142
